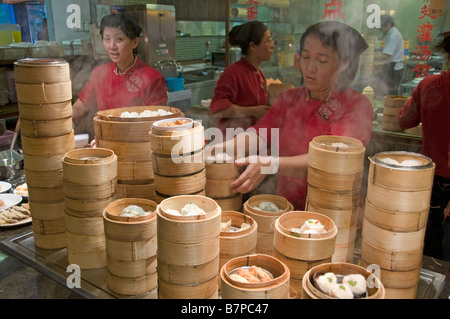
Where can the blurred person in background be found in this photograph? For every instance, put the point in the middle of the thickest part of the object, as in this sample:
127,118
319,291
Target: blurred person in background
325,105
125,81
430,105
392,57
240,97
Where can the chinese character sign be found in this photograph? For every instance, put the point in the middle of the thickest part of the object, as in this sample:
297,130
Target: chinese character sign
424,30
252,10
333,10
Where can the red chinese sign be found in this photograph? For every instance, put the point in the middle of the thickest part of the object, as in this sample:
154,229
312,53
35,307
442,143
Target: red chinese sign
425,35
252,10
333,10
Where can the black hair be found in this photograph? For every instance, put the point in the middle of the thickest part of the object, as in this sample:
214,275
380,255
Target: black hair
444,45
127,23
387,19
343,39
242,35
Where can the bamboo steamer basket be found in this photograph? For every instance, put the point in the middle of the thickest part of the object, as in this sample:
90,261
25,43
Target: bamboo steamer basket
311,292
41,70
392,104
346,235
183,275
49,227
87,251
114,115
46,128
231,203
395,221
131,269
46,195
219,188
144,191
188,229
131,250
304,247
90,166
404,178
126,151
132,286
407,293
54,241
180,185
42,163
323,156
177,141
135,172
46,111
46,179
398,279
344,252
389,260
89,226
202,290
130,229
240,243
50,211
343,218
44,93
90,192
181,165
335,182
221,171
43,146
87,208
332,199
392,241
277,288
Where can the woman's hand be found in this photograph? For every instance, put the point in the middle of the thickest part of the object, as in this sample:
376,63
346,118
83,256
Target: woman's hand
260,111
257,169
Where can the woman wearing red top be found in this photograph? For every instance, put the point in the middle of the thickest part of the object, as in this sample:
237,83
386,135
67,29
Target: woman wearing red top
240,97
329,60
126,80
430,104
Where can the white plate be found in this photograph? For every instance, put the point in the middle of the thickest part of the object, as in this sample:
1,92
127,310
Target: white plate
189,125
4,187
9,200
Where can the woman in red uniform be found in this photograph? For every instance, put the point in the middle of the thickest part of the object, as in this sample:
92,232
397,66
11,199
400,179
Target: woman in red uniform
430,104
126,80
240,97
325,105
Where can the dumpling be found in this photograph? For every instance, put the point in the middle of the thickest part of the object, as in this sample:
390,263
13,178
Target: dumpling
410,163
191,209
326,281
390,161
225,226
133,211
268,207
357,283
341,291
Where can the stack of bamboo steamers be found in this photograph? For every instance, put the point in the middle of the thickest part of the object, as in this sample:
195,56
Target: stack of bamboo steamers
44,93
395,218
335,172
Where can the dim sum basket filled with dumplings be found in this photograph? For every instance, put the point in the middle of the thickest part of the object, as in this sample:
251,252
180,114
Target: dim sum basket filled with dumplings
392,104
188,247
396,212
131,246
335,172
126,132
256,276
303,240
89,175
265,209
341,281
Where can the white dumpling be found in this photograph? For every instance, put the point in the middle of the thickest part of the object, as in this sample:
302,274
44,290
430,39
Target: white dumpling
390,161
341,291
356,282
410,163
191,209
326,281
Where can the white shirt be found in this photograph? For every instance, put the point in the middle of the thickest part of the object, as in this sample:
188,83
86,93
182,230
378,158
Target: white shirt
394,46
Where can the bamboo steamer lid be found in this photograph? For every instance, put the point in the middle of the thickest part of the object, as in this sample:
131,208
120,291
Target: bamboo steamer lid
180,165
44,93
188,229
41,70
341,268
304,246
177,141
46,128
322,155
114,114
277,288
45,111
398,177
